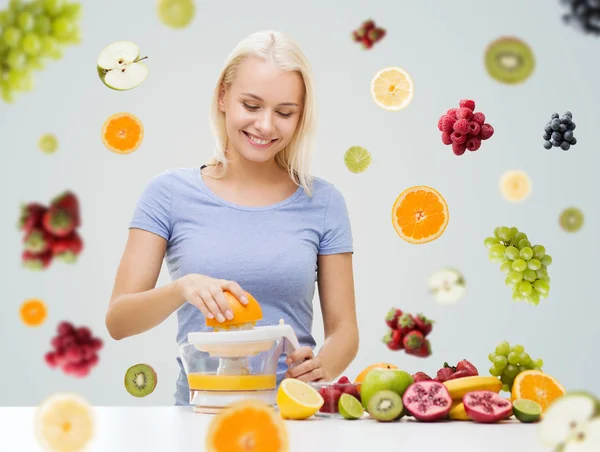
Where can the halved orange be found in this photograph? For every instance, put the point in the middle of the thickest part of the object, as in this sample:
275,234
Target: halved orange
122,133
420,214
537,386
33,312
249,425
242,314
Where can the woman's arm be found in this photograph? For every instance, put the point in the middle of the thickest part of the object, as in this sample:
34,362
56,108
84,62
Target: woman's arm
336,292
136,305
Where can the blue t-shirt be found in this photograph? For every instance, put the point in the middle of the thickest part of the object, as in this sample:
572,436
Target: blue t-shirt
270,251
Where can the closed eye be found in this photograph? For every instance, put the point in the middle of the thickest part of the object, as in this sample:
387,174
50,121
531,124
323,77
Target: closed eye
254,108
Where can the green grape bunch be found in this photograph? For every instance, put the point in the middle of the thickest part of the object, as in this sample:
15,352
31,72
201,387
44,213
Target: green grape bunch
32,33
508,362
525,265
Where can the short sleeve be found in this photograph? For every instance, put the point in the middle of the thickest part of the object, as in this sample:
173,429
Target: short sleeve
153,209
337,233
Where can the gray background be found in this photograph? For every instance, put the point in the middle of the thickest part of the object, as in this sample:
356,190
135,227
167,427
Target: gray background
441,45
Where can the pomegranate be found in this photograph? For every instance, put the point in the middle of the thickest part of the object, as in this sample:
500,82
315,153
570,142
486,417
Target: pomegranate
486,406
427,400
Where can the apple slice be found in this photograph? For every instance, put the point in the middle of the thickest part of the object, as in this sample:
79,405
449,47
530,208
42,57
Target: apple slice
447,285
119,66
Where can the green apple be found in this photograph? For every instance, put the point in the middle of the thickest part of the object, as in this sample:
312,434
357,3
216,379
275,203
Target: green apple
176,14
119,66
376,380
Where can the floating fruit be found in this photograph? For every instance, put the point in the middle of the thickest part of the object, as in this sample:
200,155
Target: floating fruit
297,399
48,143
571,219
122,133
537,386
357,159
119,66
177,14
509,60
458,387
420,214
392,88
486,406
250,425
558,132
33,312
447,285
515,185
427,401
140,380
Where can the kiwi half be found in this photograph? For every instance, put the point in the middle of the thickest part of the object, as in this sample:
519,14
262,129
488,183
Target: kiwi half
385,406
140,380
509,60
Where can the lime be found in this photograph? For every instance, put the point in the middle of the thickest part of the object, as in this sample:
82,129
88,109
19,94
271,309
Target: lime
48,143
349,407
357,159
527,410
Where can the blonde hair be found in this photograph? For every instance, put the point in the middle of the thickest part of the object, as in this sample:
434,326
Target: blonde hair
285,53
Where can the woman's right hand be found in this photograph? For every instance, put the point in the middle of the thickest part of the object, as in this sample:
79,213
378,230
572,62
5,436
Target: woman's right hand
206,294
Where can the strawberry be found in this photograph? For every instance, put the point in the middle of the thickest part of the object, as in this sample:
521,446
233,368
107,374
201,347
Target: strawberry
68,248
466,366
366,42
444,374
356,36
393,340
33,261
31,216
460,374
37,240
423,324
405,324
68,201
421,376
391,318
413,340
368,25
58,222
375,34
423,352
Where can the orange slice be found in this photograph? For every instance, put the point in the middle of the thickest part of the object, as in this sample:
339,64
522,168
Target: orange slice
249,425
420,214
537,386
33,312
242,314
392,88
122,133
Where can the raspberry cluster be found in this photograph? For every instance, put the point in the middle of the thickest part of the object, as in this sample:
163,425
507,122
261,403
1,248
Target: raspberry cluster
75,350
583,15
408,332
558,132
331,394
368,34
463,128
50,232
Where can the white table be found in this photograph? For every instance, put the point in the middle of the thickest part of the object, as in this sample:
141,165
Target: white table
178,429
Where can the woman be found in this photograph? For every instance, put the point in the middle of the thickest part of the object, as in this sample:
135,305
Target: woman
252,220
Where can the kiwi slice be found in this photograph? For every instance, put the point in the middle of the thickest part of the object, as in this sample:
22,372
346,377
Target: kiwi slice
140,380
509,60
385,406
571,219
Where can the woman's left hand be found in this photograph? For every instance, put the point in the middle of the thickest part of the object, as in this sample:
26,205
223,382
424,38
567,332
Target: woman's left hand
307,366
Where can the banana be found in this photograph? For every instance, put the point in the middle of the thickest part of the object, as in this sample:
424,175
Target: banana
461,386
458,412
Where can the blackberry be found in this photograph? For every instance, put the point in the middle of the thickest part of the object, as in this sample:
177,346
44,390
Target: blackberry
558,131
583,15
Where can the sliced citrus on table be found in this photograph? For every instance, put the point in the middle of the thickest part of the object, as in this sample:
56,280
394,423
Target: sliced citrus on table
537,386
33,312
64,422
122,133
420,214
350,407
527,410
357,159
297,399
515,185
249,425
392,88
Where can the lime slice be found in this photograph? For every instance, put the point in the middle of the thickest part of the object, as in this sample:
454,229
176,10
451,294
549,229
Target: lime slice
357,159
527,410
48,143
349,407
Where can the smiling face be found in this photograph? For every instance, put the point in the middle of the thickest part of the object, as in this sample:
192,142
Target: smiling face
262,109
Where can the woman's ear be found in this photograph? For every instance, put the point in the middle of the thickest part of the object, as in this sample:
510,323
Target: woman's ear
222,98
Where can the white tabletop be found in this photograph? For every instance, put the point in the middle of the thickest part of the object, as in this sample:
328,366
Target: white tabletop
178,429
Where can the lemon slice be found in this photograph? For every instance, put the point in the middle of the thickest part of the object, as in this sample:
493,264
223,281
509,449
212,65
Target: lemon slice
64,422
392,88
357,159
515,185
297,399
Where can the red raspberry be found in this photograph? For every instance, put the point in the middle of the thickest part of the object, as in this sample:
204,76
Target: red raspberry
458,138
451,113
474,128
478,117
473,143
93,360
65,328
458,149
486,131
461,126
470,104
50,359
440,123
448,123
464,113
83,333
343,380
446,139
